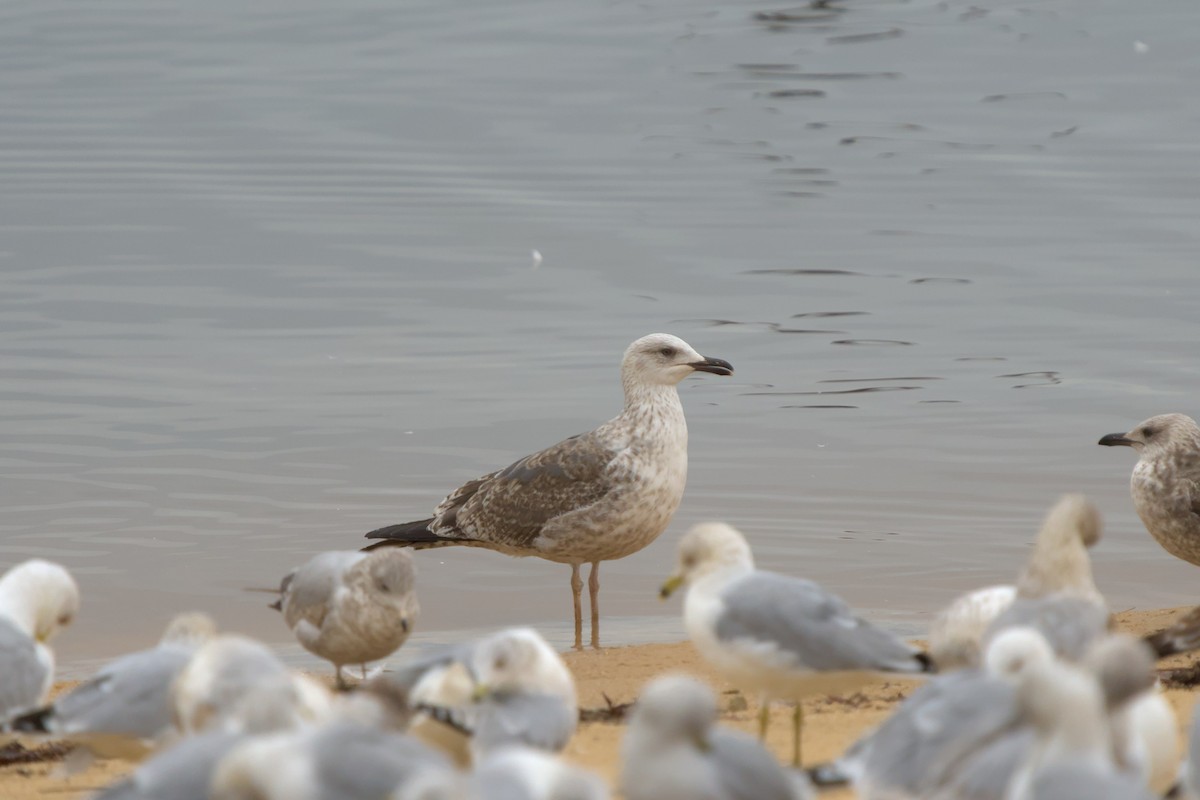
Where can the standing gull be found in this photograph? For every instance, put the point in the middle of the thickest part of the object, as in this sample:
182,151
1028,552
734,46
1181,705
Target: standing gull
1166,480
351,607
37,599
785,637
598,496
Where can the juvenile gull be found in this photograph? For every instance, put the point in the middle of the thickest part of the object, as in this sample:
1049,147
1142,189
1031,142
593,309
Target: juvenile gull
785,637
1166,481
351,607
128,697
37,599
598,496
1058,563
674,750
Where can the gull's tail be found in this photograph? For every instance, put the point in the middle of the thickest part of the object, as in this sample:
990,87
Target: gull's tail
1181,636
411,534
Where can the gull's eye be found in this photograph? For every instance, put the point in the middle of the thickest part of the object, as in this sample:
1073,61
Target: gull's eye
1147,432
667,352
689,561
64,620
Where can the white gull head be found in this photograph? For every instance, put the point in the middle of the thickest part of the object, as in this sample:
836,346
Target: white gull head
708,548
661,359
519,659
676,708
40,596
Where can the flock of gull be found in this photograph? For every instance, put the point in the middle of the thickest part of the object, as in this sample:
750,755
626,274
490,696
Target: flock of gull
1025,691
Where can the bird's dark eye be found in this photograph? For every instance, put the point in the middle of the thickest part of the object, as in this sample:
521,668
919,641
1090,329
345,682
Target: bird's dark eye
669,352
1147,432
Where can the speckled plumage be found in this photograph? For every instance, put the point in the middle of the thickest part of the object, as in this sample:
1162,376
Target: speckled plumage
1165,483
598,496
351,607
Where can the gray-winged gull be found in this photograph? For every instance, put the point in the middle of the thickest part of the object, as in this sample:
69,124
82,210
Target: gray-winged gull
1165,484
37,599
351,607
784,637
337,761
521,773
598,496
128,697
226,670
1059,562
184,771
509,688
674,750
948,723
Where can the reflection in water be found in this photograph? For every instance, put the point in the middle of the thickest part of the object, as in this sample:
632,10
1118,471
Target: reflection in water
267,283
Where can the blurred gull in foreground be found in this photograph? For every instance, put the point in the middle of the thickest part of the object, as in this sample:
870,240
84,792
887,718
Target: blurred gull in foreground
211,692
520,773
598,496
1058,565
674,750
351,607
128,699
509,688
1165,484
339,761
37,599
184,771
785,637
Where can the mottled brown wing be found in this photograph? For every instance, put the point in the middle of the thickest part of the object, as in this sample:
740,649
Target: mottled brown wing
510,507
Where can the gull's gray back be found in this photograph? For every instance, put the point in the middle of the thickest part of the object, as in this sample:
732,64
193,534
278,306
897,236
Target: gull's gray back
931,732
131,695
310,589
1069,623
182,772
1082,780
747,771
812,626
359,762
540,721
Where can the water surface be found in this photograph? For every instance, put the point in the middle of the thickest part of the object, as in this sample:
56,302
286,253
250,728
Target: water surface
267,284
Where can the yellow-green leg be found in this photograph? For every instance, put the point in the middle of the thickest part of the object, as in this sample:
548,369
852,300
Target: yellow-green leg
764,718
797,727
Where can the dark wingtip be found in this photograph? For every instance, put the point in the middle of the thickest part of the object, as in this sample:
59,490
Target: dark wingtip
33,722
827,774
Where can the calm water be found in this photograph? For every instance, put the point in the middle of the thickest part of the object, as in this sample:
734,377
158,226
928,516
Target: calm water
266,284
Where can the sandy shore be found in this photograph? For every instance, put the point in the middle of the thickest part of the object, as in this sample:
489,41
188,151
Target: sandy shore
617,674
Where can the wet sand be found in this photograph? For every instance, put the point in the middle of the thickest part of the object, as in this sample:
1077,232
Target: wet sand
616,675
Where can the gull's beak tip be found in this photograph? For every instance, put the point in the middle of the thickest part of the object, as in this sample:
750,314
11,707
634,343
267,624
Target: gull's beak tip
717,366
1115,440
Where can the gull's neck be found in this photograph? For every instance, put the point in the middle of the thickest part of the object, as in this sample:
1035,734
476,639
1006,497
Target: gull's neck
652,400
